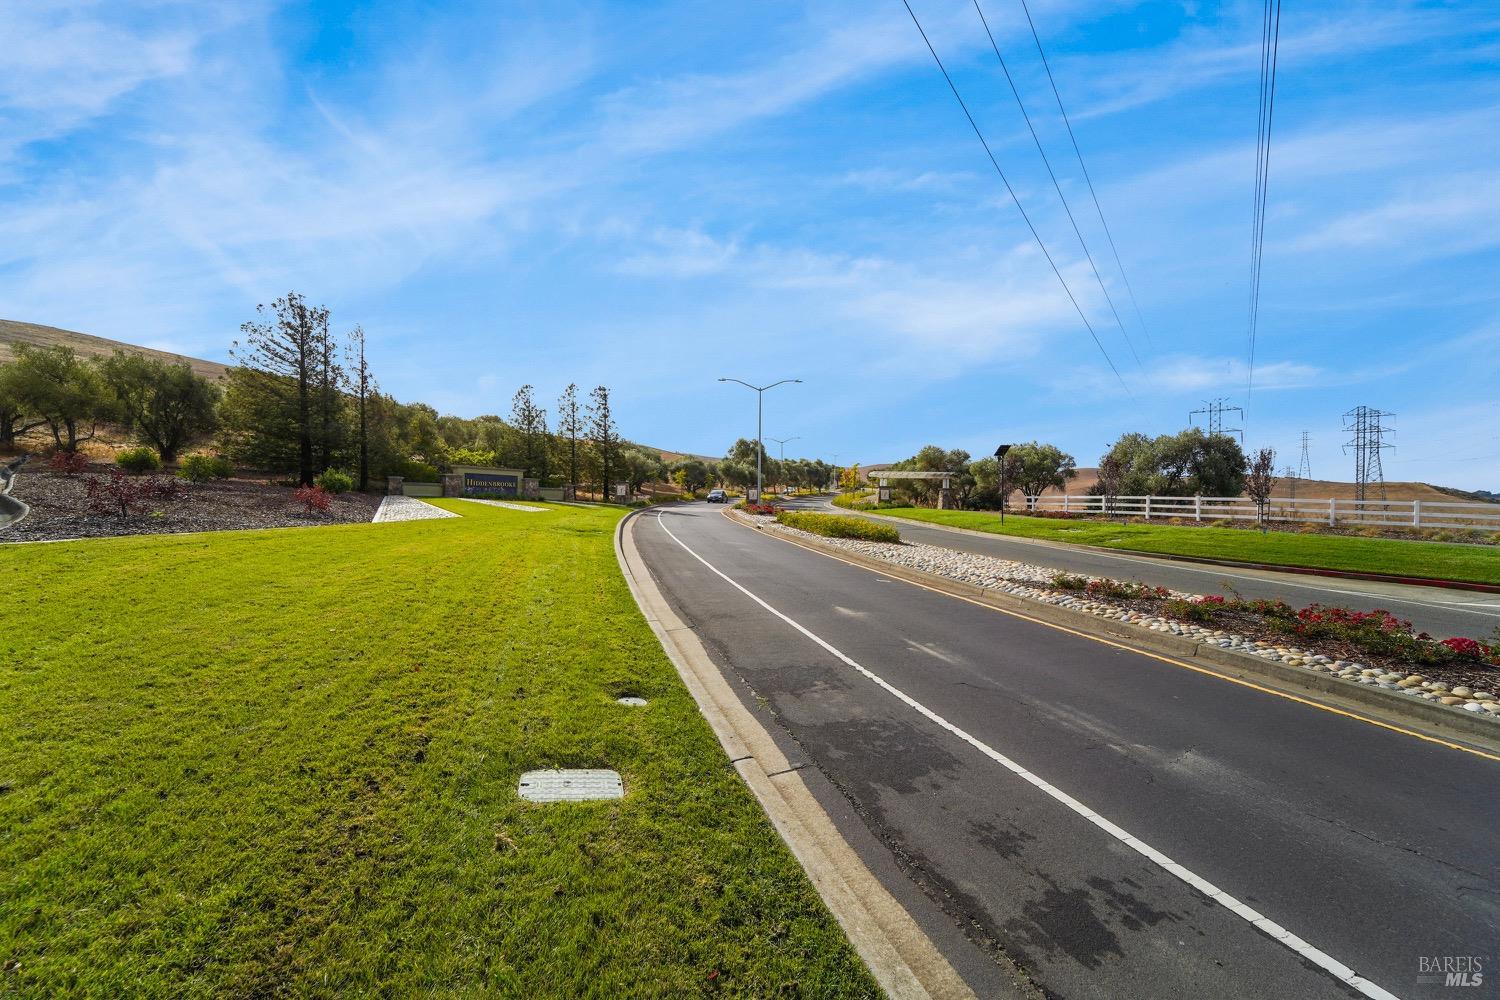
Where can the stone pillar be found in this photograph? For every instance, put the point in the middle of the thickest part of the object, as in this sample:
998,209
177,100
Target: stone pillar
570,492
393,485
945,498
531,488
453,484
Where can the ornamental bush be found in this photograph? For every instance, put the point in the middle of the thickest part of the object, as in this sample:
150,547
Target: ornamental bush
69,463
314,499
838,526
335,481
138,460
202,468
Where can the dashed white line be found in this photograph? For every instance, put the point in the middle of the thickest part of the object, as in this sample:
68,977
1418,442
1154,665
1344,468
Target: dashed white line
1258,920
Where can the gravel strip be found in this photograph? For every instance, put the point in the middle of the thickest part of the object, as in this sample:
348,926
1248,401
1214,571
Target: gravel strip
1032,582
60,509
502,503
408,509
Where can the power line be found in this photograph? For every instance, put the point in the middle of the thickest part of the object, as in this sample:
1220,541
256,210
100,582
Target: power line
996,164
1269,51
1087,179
1056,186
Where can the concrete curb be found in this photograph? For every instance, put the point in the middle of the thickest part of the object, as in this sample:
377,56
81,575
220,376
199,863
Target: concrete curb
1333,574
905,962
1382,706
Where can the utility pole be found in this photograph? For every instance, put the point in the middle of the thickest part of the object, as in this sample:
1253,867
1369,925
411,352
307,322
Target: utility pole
1364,423
1291,477
1214,410
782,442
1304,470
760,392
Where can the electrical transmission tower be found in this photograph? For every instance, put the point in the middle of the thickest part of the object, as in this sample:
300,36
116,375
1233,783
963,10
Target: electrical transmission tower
1304,470
1214,410
1291,477
1364,423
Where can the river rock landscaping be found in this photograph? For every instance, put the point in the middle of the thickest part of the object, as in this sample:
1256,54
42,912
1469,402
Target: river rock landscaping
1462,680
61,506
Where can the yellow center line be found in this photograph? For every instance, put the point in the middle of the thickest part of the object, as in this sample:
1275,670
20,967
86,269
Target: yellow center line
1142,652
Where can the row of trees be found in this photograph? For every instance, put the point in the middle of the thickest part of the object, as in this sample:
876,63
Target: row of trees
166,406
1182,464
976,483
303,400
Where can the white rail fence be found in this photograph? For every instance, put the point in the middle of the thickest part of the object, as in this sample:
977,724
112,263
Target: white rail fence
1381,513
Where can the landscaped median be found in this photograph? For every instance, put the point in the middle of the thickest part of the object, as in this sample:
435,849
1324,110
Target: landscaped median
269,762
1456,681
1391,557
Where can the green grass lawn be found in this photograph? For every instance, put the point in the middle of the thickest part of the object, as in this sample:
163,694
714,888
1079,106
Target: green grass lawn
1436,560
285,762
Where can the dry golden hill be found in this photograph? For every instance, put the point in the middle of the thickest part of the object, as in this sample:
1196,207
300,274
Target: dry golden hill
1311,489
87,345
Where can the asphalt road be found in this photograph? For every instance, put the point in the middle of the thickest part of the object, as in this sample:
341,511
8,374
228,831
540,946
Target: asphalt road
1431,609
1032,786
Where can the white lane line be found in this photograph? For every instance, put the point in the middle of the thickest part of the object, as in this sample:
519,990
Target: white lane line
1259,921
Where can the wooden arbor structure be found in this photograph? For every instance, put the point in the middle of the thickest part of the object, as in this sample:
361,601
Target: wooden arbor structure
945,492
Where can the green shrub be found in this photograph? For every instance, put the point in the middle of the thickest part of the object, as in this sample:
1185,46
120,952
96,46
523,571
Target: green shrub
416,472
838,526
201,468
1191,611
1068,581
335,481
138,460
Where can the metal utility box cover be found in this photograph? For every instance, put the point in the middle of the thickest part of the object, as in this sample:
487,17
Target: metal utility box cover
577,785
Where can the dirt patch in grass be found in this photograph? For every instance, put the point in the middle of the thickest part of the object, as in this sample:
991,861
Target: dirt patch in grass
59,508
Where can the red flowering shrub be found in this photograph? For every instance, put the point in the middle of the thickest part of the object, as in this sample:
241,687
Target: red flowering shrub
1468,648
1055,515
314,499
69,463
768,509
1212,599
120,495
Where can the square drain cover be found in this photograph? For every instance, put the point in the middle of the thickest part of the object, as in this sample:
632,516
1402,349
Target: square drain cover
579,785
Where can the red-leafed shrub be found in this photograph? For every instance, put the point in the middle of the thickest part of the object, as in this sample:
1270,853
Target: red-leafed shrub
1055,515
768,509
314,499
120,495
69,463
1467,648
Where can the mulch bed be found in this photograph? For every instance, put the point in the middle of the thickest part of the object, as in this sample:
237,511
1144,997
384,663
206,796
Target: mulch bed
1253,627
59,509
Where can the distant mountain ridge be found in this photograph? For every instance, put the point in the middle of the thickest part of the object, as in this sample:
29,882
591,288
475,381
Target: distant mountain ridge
88,345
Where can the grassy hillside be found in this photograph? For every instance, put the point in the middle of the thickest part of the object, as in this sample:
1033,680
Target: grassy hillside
87,345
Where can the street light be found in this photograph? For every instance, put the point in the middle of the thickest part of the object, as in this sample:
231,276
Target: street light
759,447
782,442
1000,456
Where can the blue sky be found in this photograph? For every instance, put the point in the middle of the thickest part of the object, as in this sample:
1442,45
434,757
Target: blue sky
654,195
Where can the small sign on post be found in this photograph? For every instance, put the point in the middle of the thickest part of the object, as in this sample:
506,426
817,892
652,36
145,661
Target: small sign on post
752,495
885,494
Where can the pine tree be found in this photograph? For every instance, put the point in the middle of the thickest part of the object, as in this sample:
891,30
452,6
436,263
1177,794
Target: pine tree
570,425
293,347
603,434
